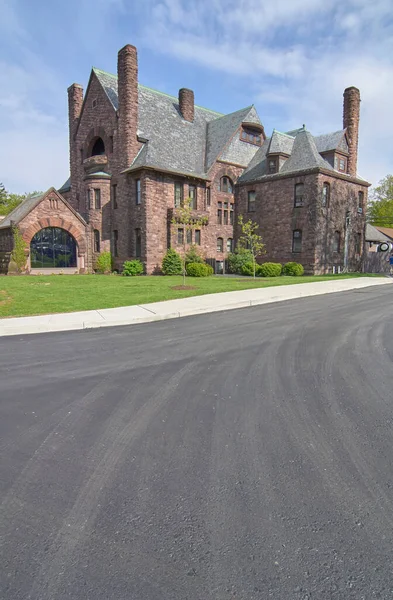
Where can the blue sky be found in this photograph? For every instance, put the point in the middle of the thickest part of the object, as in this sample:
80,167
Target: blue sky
291,58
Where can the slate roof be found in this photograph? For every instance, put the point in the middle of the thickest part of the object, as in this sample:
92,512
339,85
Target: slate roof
331,141
374,235
66,186
175,144
302,148
21,211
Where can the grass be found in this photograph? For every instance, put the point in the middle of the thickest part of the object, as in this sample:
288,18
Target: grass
43,294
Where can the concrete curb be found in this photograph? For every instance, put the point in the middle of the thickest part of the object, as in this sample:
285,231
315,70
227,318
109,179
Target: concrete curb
184,307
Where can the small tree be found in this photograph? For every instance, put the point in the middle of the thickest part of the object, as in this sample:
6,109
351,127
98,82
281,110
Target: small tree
18,254
380,209
250,240
186,217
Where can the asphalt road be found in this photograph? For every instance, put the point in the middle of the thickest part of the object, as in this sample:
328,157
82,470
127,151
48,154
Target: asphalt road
239,455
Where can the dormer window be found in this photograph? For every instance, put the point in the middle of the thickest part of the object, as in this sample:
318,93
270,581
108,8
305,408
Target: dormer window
341,163
252,136
272,165
226,185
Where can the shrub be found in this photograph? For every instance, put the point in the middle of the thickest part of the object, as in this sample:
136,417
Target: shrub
132,268
199,270
193,256
103,263
269,269
18,255
172,263
238,258
248,269
293,268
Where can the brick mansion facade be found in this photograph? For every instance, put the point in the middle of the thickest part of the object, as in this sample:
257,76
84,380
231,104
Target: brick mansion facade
136,154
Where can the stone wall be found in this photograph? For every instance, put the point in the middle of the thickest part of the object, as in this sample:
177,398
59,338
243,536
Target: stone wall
278,218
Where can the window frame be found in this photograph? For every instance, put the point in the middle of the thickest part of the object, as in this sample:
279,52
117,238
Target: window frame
337,242
325,197
97,198
192,194
197,236
138,192
208,196
299,198
180,236
220,245
97,241
226,185
188,236
297,245
230,245
272,166
178,186
251,201
250,136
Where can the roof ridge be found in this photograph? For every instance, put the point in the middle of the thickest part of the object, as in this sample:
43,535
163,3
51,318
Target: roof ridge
282,133
145,87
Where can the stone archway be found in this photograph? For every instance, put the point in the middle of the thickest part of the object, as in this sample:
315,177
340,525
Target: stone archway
58,223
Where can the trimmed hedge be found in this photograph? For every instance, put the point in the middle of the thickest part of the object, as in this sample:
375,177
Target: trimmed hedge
248,269
237,259
269,269
199,270
104,263
293,269
131,268
172,263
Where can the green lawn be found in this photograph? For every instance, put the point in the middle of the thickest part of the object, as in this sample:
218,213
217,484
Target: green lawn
42,294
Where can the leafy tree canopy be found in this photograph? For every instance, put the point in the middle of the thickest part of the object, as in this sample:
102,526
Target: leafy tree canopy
10,201
380,209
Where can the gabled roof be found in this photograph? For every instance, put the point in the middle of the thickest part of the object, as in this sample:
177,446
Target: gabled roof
387,231
304,155
281,143
21,211
174,144
374,235
331,141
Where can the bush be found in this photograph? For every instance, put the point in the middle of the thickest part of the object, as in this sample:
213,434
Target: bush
199,270
269,269
104,263
293,268
248,269
172,263
18,255
193,256
237,259
131,268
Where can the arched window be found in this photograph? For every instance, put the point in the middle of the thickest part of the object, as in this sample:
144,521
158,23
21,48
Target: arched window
53,248
297,240
326,194
220,244
226,185
299,191
96,240
98,147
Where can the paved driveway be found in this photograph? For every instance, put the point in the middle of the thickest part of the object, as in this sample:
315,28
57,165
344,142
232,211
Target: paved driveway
240,455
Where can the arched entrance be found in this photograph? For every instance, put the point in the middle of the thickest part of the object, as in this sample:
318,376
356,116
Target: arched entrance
53,248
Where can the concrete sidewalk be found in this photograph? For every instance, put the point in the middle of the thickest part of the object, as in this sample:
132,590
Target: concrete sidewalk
171,309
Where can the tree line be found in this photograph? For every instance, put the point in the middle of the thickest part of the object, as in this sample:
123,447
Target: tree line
9,201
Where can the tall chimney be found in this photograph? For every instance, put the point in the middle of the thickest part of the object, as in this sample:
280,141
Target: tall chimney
75,101
186,104
351,116
127,81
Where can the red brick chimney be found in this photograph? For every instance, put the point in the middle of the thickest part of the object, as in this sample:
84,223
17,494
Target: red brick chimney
351,116
186,104
127,81
75,101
